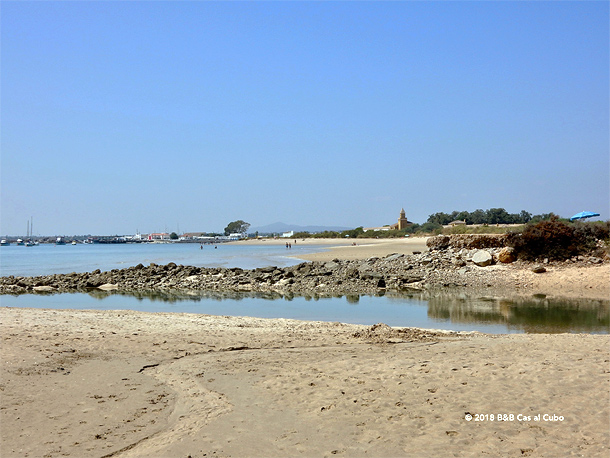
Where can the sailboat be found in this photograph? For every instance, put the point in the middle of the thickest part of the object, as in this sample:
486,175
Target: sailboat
30,242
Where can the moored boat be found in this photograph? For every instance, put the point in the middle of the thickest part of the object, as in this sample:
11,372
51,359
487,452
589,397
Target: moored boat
4,242
60,241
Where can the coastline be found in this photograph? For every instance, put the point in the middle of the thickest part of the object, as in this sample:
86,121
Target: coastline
134,384
370,267
559,280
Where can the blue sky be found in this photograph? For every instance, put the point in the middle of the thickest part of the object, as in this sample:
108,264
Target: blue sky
125,116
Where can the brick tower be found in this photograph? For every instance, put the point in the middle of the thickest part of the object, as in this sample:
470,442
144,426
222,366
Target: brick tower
402,220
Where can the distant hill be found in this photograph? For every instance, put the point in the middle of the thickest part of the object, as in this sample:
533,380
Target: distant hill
283,227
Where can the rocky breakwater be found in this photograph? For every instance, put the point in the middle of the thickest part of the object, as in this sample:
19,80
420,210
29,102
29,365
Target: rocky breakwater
395,272
452,261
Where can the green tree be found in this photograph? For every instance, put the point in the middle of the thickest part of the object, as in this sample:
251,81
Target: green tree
237,227
477,217
498,216
524,217
430,227
440,218
173,236
353,233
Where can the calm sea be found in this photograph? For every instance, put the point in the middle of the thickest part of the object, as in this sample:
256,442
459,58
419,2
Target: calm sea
442,310
49,259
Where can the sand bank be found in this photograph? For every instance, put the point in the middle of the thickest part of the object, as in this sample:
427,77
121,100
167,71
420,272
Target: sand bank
346,250
128,384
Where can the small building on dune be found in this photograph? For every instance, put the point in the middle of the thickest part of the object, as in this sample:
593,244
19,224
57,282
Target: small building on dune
457,223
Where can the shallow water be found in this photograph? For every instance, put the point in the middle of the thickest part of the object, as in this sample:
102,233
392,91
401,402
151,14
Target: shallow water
47,259
440,311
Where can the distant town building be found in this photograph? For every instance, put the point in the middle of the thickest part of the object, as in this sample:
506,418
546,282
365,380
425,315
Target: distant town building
158,236
402,223
192,235
288,234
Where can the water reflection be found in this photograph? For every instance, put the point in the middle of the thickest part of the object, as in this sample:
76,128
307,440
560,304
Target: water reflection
536,314
173,296
443,309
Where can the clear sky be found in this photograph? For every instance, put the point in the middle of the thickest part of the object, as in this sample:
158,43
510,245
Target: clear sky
123,116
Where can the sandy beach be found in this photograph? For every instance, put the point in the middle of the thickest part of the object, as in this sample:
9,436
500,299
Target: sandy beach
349,248
80,383
127,384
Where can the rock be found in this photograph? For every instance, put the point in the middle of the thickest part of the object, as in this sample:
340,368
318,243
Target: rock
471,241
43,289
331,265
369,274
269,269
482,258
108,287
507,255
393,257
595,260
440,242
538,269
95,281
425,261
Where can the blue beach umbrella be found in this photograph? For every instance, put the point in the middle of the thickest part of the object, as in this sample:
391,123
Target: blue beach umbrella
583,215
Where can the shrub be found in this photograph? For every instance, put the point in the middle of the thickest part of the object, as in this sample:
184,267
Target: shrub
556,240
